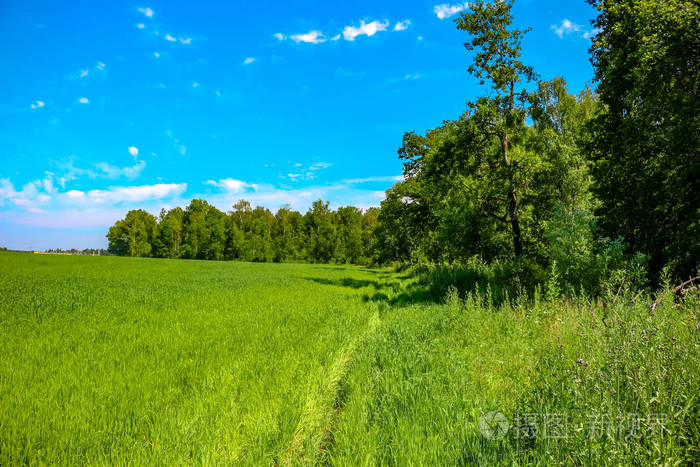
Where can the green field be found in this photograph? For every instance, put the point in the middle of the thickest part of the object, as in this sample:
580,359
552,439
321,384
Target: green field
130,361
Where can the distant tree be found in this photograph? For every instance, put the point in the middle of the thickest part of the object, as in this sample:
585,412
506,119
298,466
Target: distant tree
169,239
198,221
259,235
321,232
349,235
134,235
214,246
288,235
369,225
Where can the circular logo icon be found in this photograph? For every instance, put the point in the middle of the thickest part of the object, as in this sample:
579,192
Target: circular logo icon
494,425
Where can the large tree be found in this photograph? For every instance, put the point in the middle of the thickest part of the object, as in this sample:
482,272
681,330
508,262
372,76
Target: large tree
645,143
497,60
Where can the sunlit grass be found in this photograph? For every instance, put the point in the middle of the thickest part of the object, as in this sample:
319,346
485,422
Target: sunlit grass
120,360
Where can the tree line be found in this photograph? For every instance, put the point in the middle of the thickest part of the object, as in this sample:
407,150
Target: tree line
529,175
201,231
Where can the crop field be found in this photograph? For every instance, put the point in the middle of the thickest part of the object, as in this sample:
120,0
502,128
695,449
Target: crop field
125,360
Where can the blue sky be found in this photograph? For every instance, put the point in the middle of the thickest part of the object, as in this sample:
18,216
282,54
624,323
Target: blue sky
110,106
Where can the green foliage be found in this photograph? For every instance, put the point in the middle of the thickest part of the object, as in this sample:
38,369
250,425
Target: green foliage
134,235
455,200
645,143
201,231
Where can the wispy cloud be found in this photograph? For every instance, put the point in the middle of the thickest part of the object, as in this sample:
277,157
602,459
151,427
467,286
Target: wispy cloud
113,172
84,100
402,25
231,185
156,30
85,72
43,194
357,181
249,60
147,12
565,27
179,146
366,29
37,105
340,193
301,172
131,194
311,37
446,10
134,151
349,33
591,33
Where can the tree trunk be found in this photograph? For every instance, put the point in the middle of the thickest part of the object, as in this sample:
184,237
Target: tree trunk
513,203
514,222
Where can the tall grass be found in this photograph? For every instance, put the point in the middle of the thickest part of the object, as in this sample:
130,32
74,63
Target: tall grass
120,360
417,391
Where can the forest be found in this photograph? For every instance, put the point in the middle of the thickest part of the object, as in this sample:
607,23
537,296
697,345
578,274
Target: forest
530,179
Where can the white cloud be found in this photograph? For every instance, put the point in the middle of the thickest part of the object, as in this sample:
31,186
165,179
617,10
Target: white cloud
98,170
357,181
231,185
249,60
84,100
170,38
279,36
187,41
134,151
413,76
565,27
402,25
591,33
320,165
311,37
147,11
140,25
446,10
85,72
183,149
112,171
75,194
341,193
122,194
156,54
37,105
367,29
